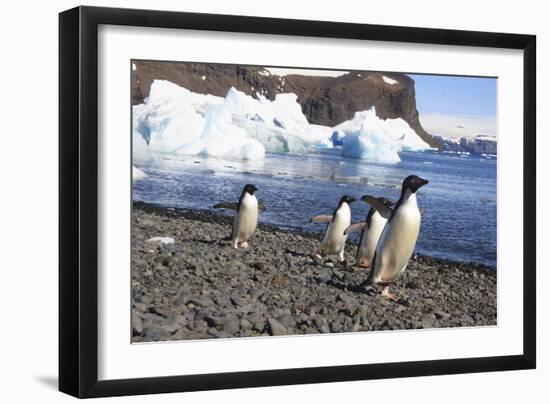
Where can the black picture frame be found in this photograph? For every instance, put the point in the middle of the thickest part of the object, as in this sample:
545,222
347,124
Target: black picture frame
78,201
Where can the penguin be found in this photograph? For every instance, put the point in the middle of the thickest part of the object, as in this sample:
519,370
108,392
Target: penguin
334,239
371,230
398,239
246,216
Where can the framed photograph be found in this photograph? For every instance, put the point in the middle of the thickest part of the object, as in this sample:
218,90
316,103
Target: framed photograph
250,202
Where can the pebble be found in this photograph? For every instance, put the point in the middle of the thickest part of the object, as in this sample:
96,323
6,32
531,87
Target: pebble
137,324
276,328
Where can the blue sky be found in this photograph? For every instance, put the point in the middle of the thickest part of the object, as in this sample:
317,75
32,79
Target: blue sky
452,95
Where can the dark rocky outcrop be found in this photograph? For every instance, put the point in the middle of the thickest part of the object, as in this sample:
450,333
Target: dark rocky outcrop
324,100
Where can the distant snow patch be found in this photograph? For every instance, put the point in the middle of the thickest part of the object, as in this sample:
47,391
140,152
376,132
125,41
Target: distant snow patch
457,126
203,78
134,67
161,240
277,71
389,81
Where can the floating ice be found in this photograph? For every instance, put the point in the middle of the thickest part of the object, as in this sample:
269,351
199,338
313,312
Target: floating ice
221,138
338,137
389,81
137,174
177,121
371,138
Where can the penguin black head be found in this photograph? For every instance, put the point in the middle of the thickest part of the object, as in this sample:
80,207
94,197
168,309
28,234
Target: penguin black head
413,182
249,188
385,201
348,199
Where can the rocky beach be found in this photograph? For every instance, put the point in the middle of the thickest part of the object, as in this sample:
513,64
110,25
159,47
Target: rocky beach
198,287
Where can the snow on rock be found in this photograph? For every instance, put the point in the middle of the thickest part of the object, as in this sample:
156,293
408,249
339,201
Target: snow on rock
368,137
137,174
389,81
161,240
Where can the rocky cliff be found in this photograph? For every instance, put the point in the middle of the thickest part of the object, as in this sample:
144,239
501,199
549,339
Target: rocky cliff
324,100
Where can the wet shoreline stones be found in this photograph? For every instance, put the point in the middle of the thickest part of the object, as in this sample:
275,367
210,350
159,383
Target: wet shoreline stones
199,287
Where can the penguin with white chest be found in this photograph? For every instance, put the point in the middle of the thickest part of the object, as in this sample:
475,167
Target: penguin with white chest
398,240
371,230
246,216
334,239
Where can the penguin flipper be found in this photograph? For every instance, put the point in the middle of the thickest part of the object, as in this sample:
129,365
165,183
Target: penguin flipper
321,219
261,206
355,227
227,205
379,206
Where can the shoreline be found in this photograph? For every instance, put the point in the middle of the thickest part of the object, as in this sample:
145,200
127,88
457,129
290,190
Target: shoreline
213,217
199,287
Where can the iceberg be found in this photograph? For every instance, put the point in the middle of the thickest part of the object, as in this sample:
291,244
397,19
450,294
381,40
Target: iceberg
221,138
170,118
338,137
368,137
175,120
137,174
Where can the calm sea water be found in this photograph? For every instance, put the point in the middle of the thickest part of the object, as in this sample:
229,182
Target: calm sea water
459,222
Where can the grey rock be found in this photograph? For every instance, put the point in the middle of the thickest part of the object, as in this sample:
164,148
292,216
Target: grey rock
141,307
137,324
276,328
441,315
245,324
287,320
230,324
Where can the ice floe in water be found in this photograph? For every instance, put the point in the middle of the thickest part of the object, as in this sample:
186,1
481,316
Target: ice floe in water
177,121
371,138
137,174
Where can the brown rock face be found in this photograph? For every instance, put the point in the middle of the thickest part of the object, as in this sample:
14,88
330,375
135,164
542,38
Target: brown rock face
324,100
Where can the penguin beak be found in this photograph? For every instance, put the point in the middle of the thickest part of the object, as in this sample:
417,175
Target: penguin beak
363,198
423,182
351,200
